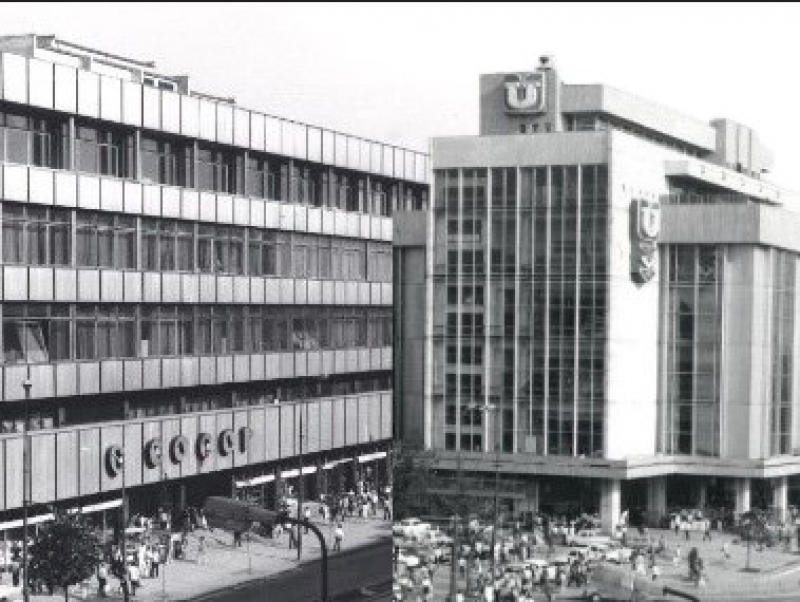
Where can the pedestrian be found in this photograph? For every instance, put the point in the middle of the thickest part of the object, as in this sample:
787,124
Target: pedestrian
237,538
135,577
293,537
338,536
707,533
201,550
307,517
16,572
102,579
155,562
725,553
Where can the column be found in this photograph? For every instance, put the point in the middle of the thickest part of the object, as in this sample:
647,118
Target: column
742,495
610,502
702,493
780,496
656,497
278,489
532,493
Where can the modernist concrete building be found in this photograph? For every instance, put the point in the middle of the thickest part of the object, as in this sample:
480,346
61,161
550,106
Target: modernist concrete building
610,307
193,294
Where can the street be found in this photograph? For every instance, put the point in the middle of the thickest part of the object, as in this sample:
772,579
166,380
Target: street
367,566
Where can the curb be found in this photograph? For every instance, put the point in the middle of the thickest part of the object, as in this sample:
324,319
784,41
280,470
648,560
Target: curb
273,576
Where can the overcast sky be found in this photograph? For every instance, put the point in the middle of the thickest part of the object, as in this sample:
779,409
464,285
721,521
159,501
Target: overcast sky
404,73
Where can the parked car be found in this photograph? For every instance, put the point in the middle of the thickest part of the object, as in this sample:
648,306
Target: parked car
585,537
411,528
618,554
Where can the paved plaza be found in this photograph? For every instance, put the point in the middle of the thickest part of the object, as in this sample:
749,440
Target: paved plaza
776,572
226,566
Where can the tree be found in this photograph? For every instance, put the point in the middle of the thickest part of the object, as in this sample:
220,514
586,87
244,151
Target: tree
66,553
754,528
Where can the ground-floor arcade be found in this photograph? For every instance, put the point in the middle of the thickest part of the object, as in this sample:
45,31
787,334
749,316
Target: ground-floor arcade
651,498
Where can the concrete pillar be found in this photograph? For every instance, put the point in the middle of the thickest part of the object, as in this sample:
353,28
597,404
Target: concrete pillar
610,502
780,497
742,495
702,493
657,497
533,496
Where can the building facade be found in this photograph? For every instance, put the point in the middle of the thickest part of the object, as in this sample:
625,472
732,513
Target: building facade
195,297
610,313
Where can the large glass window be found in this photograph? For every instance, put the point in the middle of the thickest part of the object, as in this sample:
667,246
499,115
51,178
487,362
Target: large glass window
36,235
218,169
31,138
36,333
103,150
221,249
167,161
689,414
105,240
783,308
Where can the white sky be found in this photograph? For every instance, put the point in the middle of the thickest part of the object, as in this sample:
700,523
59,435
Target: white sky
404,73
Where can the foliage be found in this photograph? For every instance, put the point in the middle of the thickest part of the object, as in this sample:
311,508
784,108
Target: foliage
754,527
413,475
66,552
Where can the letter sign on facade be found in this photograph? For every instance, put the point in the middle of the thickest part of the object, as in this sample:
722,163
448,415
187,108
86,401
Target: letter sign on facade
178,448
115,460
225,442
525,93
203,445
645,228
245,433
153,453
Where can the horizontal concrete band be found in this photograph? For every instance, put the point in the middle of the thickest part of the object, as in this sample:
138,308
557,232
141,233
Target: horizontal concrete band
79,461
631,468
730,224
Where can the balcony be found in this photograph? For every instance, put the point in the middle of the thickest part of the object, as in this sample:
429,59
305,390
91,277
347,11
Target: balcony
22,183
70,378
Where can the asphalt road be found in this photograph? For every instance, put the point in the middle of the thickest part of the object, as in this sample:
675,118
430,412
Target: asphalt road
367,566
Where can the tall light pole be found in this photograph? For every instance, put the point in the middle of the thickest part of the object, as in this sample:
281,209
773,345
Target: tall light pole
26,482
300,487
486,408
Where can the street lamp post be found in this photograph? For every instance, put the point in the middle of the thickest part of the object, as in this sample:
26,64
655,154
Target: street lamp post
26,483
300,487
486,409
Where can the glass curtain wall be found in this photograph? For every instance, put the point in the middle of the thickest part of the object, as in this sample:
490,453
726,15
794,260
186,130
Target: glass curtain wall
520,302
690,413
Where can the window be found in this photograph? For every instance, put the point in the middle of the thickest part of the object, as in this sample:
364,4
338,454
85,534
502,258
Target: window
35,333
36,235
105,151
218,169
167,245
167,161
105,240
257,176
31,139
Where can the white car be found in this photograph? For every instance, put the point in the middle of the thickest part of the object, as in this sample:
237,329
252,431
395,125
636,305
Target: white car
586,537
618,554
411,528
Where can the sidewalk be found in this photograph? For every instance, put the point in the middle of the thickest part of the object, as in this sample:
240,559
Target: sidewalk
227,566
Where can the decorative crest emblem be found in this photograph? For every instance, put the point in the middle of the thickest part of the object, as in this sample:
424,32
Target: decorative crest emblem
525,93
645,228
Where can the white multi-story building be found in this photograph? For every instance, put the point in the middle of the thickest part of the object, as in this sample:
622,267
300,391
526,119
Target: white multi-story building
194,292
610,307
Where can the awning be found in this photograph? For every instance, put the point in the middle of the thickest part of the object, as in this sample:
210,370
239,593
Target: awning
371,457
43,518
267,478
